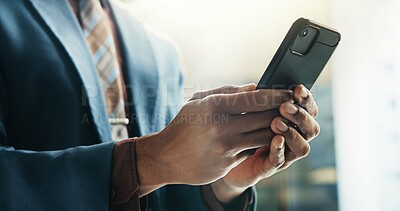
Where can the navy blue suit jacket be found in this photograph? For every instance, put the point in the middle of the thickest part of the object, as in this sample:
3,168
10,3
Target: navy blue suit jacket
55,142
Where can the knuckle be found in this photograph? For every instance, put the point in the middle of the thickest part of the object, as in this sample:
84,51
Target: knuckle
292,134
197,95
223,89
302,116
227,89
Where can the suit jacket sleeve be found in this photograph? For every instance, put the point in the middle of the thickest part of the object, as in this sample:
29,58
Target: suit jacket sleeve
72,179
244,202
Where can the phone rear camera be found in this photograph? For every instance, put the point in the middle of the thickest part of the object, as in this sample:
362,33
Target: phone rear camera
304,33
305,40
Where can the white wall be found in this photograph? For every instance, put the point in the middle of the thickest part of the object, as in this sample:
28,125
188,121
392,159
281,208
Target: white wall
366,78
227,41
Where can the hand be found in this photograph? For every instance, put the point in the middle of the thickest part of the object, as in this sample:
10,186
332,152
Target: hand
271,159
301,125
209,136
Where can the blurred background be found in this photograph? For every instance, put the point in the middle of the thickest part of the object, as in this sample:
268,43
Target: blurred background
353,164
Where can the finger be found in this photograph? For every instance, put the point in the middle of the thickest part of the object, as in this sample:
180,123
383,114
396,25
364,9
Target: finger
294,140
251,101
306,100
290,158
260,152
276,156
248,122
252,140
301,118
228,89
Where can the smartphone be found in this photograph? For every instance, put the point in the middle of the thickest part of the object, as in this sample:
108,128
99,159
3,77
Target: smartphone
301,57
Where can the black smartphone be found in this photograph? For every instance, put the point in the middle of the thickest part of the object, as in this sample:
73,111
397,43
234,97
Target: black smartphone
301,57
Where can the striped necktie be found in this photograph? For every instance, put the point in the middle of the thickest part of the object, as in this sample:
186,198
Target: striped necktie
97,30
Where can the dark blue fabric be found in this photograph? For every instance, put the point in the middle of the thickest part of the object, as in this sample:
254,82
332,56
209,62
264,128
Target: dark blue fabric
50,108
72,179
188,198
41,111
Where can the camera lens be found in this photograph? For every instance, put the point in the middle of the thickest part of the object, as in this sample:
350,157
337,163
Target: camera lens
304,33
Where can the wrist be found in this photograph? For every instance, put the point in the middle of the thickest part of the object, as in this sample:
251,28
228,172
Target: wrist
153,171
225,192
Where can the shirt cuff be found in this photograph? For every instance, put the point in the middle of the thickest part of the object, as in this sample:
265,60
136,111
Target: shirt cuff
124,177
244,202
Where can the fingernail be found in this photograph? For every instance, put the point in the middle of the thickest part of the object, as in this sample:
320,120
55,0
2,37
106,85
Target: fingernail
303,92
282,126
290,108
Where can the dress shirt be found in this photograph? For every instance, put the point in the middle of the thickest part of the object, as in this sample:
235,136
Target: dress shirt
125,180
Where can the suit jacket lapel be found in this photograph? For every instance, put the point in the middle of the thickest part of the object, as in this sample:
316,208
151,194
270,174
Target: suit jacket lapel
61,20
141,74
